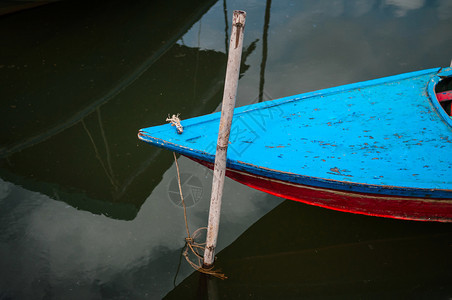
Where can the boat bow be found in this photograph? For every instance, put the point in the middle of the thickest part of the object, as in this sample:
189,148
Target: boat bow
387,137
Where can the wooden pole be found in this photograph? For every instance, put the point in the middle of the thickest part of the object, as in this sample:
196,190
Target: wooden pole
227,111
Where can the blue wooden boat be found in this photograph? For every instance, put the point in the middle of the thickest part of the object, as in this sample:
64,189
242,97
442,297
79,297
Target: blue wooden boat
380,147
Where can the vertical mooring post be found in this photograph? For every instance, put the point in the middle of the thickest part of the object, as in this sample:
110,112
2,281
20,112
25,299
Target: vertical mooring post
227,111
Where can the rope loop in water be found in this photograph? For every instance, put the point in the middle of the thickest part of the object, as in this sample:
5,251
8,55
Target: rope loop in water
193,248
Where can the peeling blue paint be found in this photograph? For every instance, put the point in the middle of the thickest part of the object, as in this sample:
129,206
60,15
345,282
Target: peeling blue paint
391,128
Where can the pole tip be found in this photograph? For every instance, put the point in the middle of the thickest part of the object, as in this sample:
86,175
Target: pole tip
238,17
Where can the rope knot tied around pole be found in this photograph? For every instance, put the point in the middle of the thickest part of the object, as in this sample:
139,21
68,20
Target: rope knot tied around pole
195,250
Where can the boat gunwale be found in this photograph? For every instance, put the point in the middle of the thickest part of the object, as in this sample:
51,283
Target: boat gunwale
215,116
441,75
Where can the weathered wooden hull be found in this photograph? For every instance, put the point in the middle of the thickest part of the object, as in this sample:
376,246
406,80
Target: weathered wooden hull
379,148
397,207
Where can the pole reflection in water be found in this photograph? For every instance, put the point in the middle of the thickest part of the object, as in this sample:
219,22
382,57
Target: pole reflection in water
264,50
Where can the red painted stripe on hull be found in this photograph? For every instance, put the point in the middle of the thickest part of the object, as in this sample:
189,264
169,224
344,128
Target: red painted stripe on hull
406,208
372,205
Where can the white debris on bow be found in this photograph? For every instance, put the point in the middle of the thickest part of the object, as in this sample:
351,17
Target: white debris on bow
175,121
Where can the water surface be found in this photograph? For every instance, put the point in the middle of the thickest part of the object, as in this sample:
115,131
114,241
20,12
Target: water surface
88,211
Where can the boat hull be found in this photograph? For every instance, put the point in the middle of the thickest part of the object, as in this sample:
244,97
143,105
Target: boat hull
396,207
383,150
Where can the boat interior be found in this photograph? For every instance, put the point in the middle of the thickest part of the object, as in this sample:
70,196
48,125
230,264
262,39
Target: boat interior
443,92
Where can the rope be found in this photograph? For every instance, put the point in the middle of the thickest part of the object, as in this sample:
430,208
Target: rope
191,246
175,121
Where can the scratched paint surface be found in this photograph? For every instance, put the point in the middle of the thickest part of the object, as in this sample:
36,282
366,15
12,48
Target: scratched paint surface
384,132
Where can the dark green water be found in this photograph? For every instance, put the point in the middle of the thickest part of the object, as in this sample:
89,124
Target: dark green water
89,212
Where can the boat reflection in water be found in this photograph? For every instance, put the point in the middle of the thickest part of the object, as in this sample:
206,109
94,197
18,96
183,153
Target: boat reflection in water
95,163
334,255
75,94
